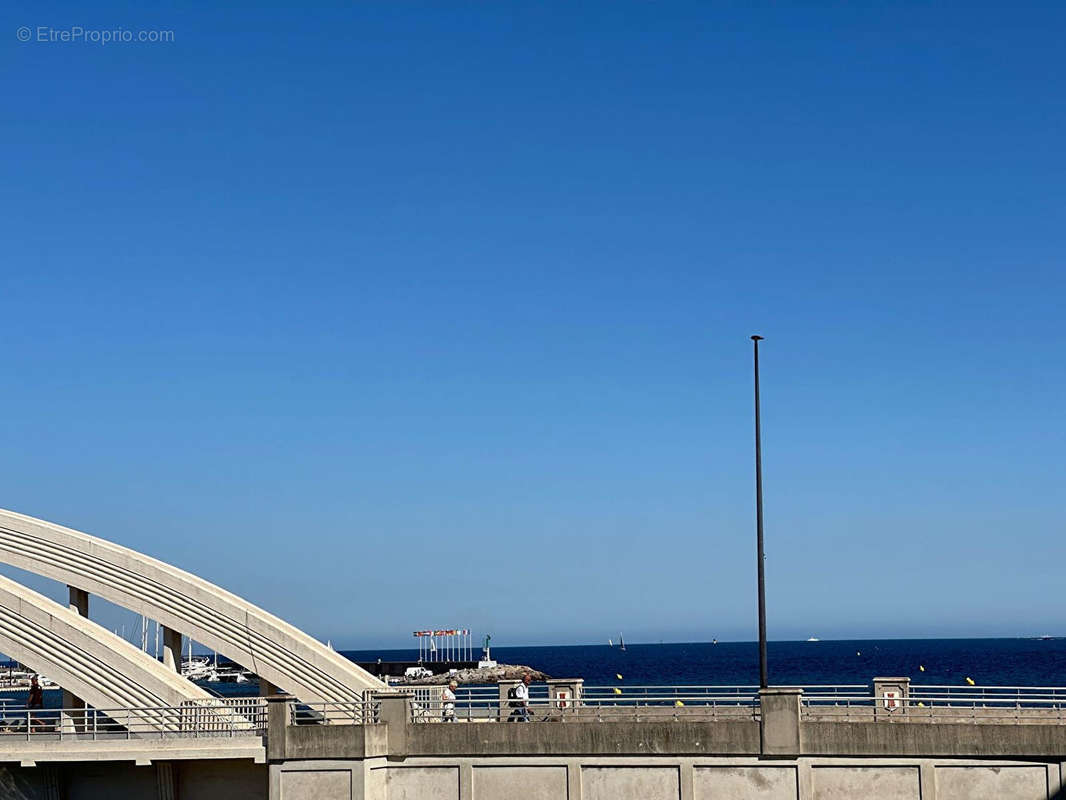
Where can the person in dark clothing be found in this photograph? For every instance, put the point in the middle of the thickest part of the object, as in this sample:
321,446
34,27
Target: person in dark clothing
36,698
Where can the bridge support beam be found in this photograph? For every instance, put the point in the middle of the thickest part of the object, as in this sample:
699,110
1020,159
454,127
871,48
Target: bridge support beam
79,604
171,649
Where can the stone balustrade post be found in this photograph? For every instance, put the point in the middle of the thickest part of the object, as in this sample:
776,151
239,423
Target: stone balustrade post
279,714
780,727
396,716
891,697
564,694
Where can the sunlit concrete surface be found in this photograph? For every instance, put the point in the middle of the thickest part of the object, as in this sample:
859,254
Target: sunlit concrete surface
273,649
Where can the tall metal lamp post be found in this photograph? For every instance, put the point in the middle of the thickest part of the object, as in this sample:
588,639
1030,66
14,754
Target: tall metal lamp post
758,524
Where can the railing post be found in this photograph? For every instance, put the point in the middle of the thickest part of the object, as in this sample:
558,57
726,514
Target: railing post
504,702
891,696
564,694
780,722
278,710
396,714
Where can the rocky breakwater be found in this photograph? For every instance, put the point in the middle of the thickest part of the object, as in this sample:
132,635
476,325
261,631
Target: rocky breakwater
465,677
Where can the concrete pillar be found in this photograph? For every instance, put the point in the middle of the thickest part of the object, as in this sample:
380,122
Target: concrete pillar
278,714
466,780
780,726
927,780
686,779
70,723
396,716
79,601
171,649
565,693
891,697
574,788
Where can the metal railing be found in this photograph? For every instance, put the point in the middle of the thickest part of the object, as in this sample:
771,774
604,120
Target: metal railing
847,702
354,712
596,703
194,718
973,704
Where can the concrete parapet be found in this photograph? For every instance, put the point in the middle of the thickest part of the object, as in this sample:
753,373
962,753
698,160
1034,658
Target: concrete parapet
585,738
780,709
947,739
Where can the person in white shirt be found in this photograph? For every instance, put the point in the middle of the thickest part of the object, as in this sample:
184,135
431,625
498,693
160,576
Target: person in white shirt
520,704
448,702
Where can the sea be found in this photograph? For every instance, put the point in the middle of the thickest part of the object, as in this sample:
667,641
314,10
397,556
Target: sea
987,662
999,662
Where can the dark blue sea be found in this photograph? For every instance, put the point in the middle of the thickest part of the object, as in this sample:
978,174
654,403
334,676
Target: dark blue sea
988,662
1002,662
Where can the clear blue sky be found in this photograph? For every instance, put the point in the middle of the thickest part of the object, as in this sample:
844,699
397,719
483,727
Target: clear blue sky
389,315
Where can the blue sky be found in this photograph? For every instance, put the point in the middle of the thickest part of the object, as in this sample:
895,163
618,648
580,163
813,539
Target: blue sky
397,315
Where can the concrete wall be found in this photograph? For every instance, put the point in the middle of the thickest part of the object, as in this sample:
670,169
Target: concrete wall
666,778
589,776
678,760
781,758
931,739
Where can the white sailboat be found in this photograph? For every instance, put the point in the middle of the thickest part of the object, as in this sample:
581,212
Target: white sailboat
621,642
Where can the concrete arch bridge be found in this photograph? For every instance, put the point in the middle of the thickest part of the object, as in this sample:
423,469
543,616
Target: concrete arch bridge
103,670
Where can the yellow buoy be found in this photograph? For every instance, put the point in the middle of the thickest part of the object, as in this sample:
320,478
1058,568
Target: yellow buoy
921,668
970,681
618,676
617,690
921,704
678,703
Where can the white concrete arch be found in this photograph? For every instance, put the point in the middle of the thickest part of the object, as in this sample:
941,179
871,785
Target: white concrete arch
273,649
82,657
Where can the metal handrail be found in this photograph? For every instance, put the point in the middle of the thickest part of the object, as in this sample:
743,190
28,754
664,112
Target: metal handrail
352,712
689,708
929,707
195,718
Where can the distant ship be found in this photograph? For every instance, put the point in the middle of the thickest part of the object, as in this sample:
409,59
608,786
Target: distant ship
814,639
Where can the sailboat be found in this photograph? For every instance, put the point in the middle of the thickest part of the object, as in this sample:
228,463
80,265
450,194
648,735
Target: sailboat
621,642
610,642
